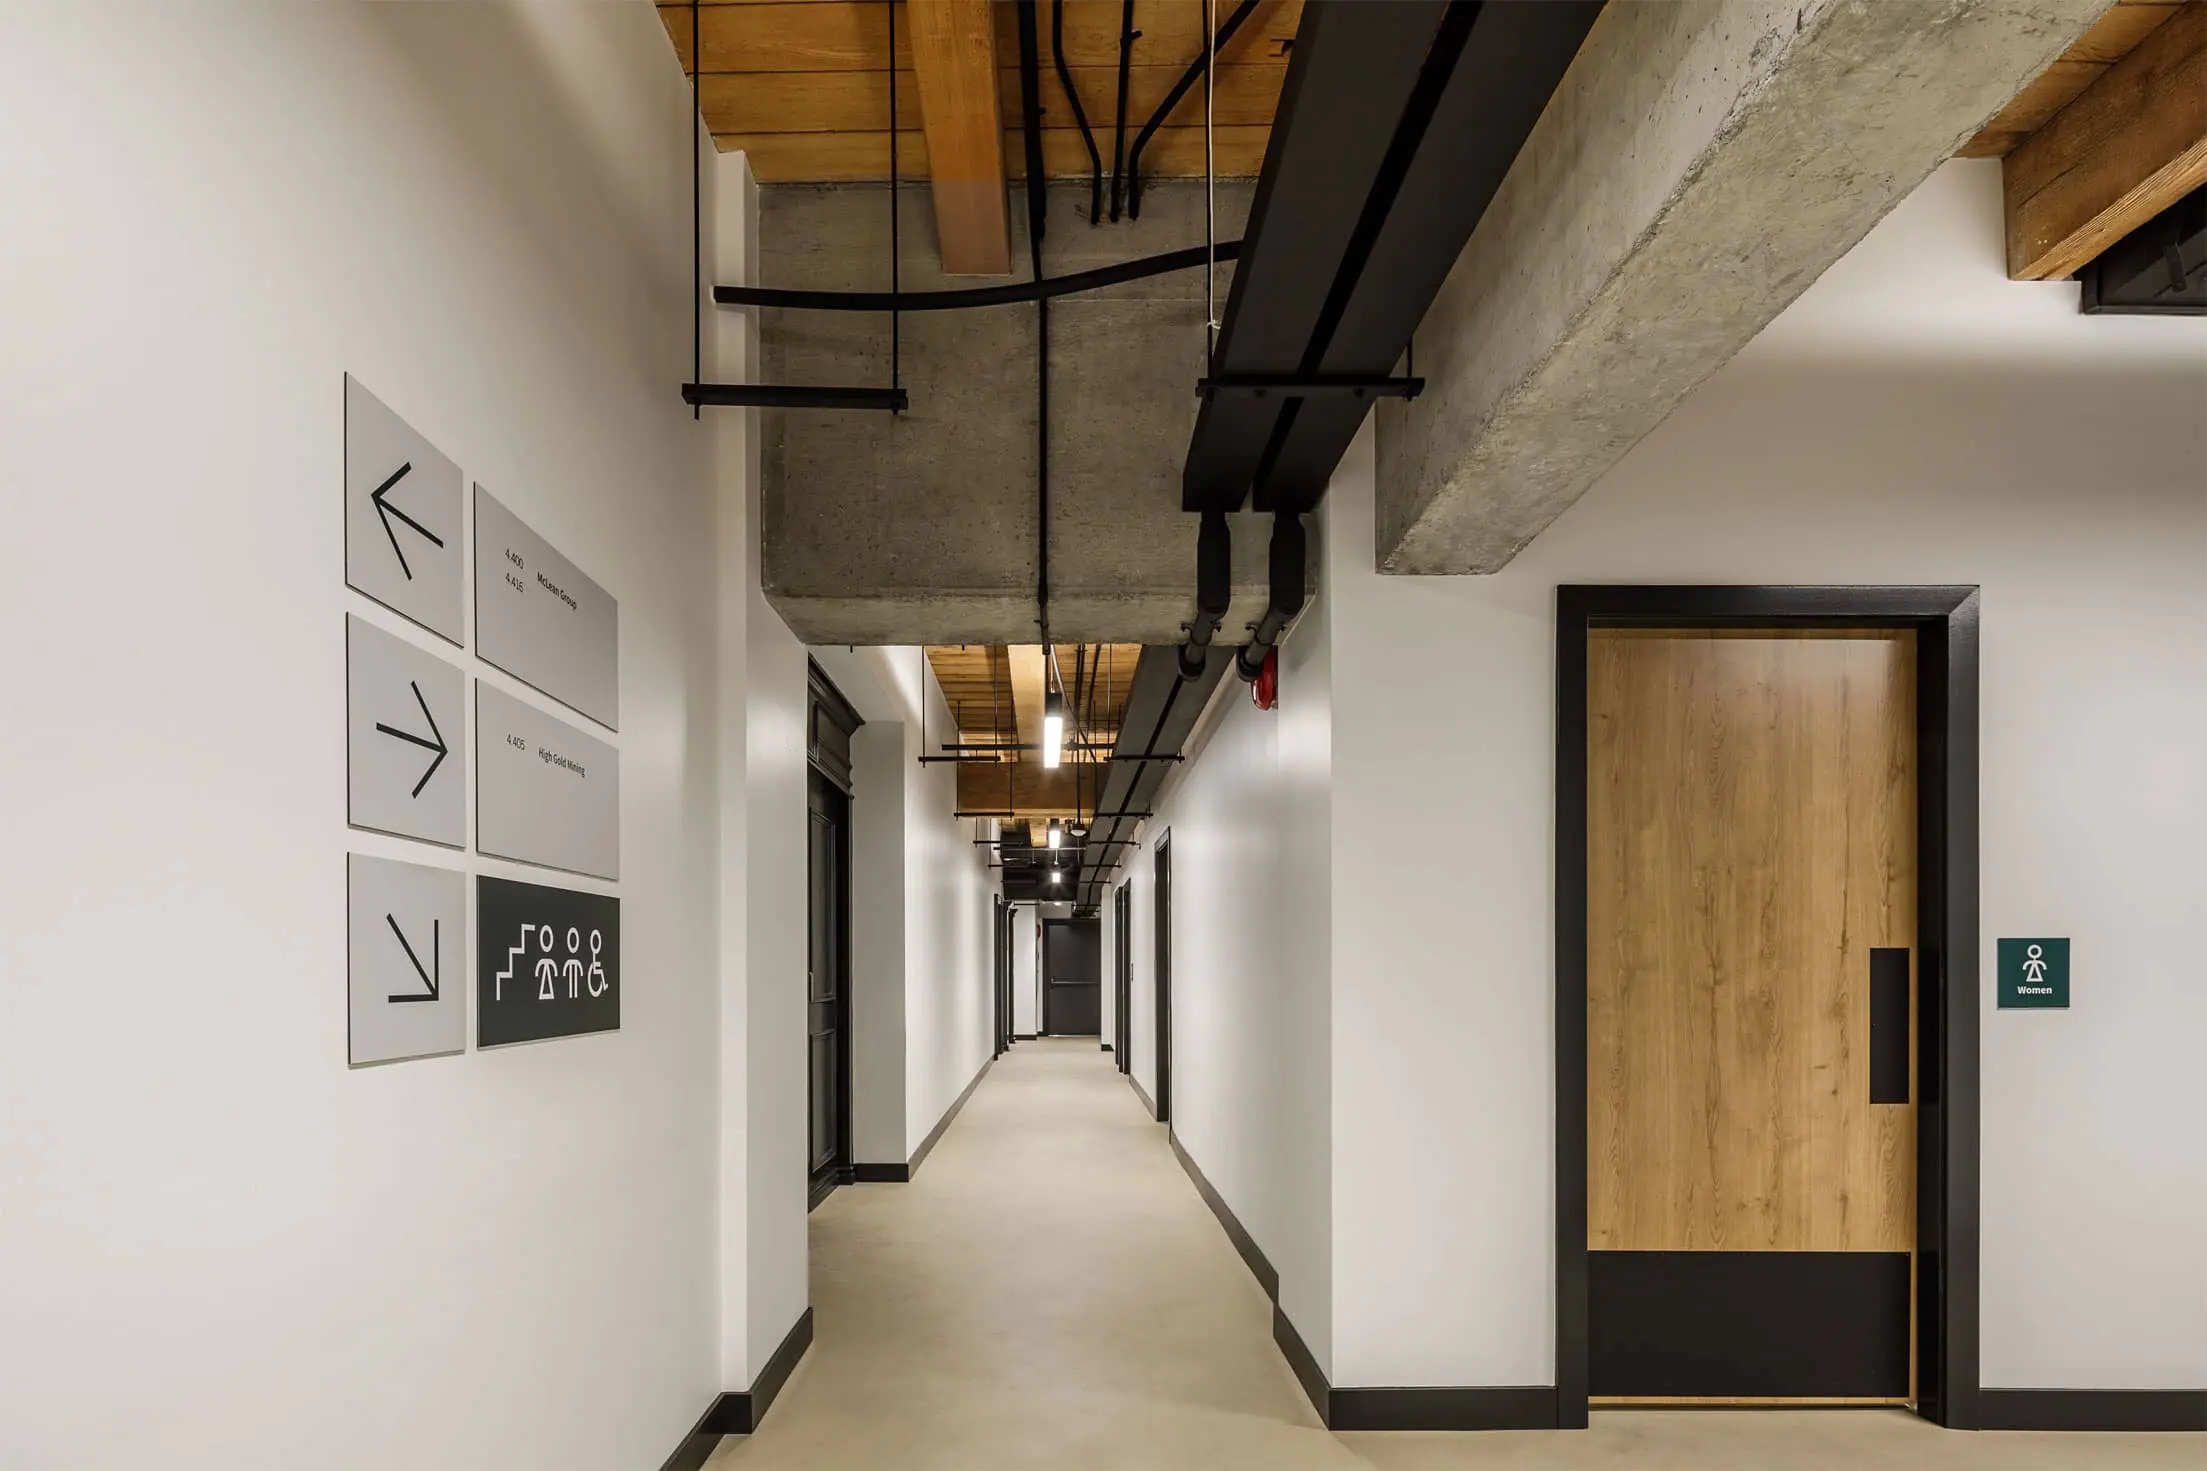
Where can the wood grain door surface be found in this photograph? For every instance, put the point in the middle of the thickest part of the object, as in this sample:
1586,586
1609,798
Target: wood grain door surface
1751,839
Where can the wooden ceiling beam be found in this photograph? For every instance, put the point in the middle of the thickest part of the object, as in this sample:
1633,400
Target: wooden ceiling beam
954,60
2129,146
1028,682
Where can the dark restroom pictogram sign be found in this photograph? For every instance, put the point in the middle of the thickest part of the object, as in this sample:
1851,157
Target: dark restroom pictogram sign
547,963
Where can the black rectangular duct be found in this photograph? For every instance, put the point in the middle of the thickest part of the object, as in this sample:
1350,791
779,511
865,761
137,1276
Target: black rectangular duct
1396,127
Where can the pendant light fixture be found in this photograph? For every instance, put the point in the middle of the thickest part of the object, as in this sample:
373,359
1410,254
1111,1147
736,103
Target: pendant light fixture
1057,835
1053,729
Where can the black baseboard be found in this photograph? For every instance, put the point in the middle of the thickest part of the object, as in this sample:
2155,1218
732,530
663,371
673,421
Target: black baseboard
1251,1256
943,1123
698,1446
1305,1365
1107,1046
1024,1036
1499,1407
895,1174
1489,1407
1139,1092
2092,1409
740,1413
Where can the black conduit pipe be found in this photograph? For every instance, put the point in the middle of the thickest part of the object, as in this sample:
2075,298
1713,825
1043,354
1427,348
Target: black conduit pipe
1188,79
1288,591
1214,592
1011,294
1127,37
1038,201
1080,115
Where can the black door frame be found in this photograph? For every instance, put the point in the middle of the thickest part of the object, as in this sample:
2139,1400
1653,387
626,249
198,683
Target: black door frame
830,722
1161,865
1122,972
821,1182
1946,623
1001,976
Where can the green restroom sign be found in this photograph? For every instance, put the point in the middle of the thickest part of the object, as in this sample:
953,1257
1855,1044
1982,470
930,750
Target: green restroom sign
2034,973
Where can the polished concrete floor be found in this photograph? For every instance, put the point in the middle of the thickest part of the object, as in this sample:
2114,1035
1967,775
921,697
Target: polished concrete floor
1051,1292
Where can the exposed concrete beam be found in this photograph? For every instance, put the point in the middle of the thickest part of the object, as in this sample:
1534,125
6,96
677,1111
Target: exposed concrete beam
1701,164
2129,146
921,527
954,60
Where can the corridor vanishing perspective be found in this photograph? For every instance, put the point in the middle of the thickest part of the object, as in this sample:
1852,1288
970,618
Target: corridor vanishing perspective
1107,735
1051,1293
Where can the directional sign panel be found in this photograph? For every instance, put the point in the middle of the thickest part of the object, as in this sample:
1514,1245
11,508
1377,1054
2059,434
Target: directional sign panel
402,517
405,725
547,963
540,619
545,792
408,960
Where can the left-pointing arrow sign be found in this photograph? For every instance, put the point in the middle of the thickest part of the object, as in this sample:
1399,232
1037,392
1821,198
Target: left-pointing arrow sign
379,497
430,977
434,742
404,515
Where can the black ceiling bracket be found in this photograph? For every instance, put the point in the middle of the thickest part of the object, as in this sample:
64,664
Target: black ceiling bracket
1290,385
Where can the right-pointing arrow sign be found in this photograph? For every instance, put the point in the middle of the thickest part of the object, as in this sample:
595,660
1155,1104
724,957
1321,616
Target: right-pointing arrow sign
434,743
429,978
399,701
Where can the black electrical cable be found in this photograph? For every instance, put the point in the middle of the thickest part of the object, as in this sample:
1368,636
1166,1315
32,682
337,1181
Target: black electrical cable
697,214
1013,294
1038,197
1080,115
896,250
1180,88
1127,37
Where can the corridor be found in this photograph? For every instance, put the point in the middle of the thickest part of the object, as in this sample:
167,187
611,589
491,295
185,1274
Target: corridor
1050,1291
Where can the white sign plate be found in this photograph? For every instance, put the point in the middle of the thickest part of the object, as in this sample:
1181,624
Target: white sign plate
545,792
405,732
540,619
402,517
407,960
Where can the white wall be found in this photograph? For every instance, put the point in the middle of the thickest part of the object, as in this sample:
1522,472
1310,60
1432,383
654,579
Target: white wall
921,894
220,1243
878,885
1026,971
1914,417
1248,817
765,1088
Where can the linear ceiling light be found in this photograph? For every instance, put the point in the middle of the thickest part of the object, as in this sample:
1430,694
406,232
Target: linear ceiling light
1053,729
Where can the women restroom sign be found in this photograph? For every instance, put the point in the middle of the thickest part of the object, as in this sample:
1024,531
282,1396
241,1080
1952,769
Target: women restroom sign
2034,973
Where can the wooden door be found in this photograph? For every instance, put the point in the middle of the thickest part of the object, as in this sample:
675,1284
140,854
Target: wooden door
1751,919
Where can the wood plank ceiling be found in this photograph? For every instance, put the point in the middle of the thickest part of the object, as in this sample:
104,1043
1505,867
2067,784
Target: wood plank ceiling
982,685
2107,137
2114,36
802,86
